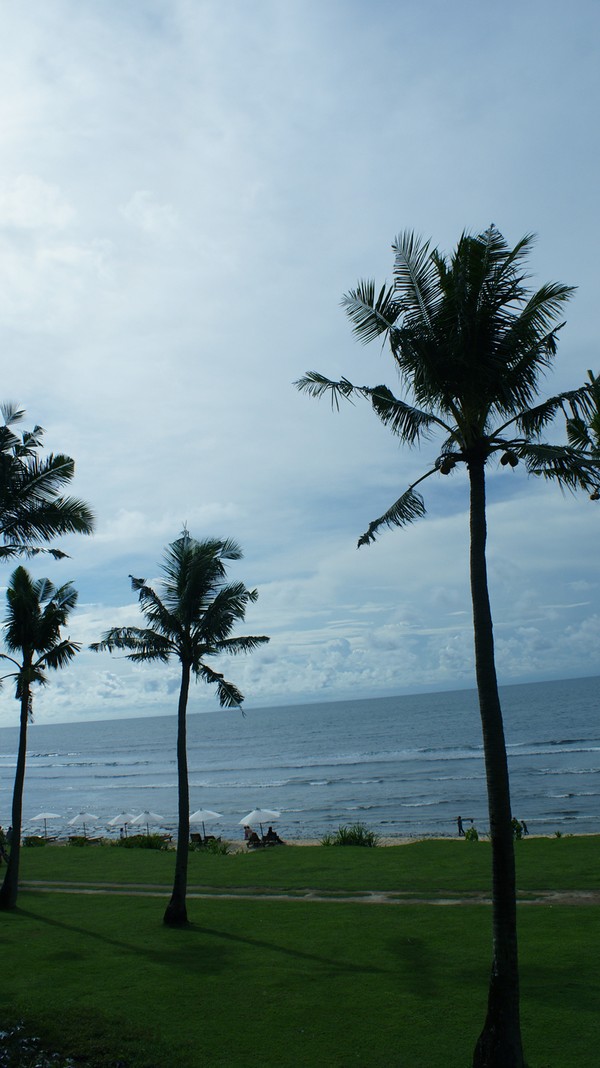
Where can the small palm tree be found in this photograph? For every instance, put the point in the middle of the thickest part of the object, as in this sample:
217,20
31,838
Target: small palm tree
32,511
32,627
470,342
190,619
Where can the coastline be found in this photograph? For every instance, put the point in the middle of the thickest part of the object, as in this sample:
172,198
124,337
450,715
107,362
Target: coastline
388,841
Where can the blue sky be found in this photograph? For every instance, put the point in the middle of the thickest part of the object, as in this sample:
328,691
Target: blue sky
187,190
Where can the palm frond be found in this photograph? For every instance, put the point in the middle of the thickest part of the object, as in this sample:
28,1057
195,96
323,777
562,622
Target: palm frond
11,412
139,644
228,694
372,315
31,510
11,659
60,655
583,427
405,510
531,421
12,550
408,423
25,518
247,644
571,468
316,385
228,607
417,279
526,345
578,434
156,614
507,261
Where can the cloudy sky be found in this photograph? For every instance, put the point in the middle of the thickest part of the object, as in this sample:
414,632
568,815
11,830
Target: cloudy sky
187,189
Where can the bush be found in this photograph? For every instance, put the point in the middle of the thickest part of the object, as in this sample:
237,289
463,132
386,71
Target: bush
78,840
213,845
472,835
142,841
33,840
354,835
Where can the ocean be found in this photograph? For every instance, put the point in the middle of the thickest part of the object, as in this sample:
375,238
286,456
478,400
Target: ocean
404,766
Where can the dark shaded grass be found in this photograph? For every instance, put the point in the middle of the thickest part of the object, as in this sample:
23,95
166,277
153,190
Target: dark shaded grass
427,867
265,984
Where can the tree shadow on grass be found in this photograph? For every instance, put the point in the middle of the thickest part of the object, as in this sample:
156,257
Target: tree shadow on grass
173,955
414,958
214,958
554,986
335,965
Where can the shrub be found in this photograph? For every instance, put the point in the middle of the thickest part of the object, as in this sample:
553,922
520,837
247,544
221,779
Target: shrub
33,840
142,841
78,840
472,835
354,835
213,845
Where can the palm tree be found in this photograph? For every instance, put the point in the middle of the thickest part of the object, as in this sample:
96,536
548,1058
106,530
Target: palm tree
31,509
470,343
583,424
190,619
36,613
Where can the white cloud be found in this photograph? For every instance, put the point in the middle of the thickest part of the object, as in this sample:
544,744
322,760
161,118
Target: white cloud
144,211
29,203
187,191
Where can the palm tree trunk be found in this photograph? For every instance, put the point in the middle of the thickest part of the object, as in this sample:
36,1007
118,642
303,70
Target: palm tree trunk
10,886
176,911
499,1044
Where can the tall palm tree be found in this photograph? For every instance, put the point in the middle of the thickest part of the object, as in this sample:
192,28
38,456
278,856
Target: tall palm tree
470,342
32,511
191,618
36,613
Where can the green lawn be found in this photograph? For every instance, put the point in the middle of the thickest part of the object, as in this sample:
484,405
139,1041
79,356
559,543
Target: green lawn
260,984
427,867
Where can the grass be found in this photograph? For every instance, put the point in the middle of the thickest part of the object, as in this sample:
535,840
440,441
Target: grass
427,867
259,984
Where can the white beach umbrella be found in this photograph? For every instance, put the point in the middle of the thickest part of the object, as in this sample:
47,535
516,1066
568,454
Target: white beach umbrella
149,818
121,820
204,815
83,818
45,816
260,816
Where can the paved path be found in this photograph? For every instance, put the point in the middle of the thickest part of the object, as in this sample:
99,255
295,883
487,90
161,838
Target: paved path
359,897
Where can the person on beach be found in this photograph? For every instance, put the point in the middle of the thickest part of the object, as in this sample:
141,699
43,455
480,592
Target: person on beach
524,827
3,853
459,822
